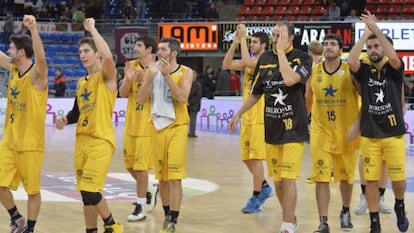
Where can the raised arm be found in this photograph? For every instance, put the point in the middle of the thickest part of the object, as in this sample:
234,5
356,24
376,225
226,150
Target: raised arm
39,77
389,50
229,62
247,60
290,77
108,64
353,58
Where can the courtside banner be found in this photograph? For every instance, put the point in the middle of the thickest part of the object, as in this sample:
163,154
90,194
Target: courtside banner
227,31
192,36
402,33
306,32
125,38
408,59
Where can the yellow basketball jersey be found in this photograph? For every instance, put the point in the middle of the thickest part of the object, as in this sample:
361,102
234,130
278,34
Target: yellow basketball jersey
335,108
255,114
181,112
96,103
24,128
138,116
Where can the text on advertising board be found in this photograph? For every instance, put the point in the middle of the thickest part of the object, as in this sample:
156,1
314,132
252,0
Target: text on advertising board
192,36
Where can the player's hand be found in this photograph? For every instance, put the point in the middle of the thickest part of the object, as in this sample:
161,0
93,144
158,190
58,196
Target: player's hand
370,21
89,24
61,122
241,30
131,73
152,71
29,21
353,131
164,66
233,122
283,41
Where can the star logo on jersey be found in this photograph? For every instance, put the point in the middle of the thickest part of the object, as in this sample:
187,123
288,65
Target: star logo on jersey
14,92
380,96
279,97
330,91
86,94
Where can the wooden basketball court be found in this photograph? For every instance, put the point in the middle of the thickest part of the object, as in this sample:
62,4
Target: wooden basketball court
213,157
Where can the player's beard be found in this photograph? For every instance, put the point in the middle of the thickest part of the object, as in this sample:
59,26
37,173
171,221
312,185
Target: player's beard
375,58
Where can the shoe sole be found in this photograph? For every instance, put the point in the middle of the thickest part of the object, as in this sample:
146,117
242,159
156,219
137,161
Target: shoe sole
151,206
137,220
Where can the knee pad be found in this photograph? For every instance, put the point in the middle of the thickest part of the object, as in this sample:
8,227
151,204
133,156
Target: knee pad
90,198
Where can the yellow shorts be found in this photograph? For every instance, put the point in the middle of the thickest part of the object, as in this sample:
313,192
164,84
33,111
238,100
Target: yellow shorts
93,157
171,153
375,150
284,160
343,165
252,143
138,153
22,166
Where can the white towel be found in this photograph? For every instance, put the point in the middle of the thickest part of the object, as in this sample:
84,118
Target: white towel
162,111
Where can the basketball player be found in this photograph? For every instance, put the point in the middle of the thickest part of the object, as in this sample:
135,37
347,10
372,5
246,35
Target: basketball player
252,145
23,143
139,131
171,83
95,136
281,75
333,100
382,122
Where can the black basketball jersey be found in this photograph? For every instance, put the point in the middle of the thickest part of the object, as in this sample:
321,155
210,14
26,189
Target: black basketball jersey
381,110
285,113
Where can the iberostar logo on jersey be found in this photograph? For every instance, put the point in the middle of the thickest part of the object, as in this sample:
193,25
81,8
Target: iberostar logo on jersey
14,102
380,106
85,104
280,109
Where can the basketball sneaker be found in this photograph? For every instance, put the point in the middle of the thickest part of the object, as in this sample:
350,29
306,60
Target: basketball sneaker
253,205
114,228
139,213
287,227
18,225
382,207
265,194
346,224
323,228
152,196
171,228
167,221
402,221
362,206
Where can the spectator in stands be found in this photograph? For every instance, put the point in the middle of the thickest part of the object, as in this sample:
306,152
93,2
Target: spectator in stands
79,15
315,50
352,17
44,13
211,12
194,105
409,89
66,15
359,5
223,82
28,9
334,11
211,82
325,15
8,29
59,83
235,84
129,11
